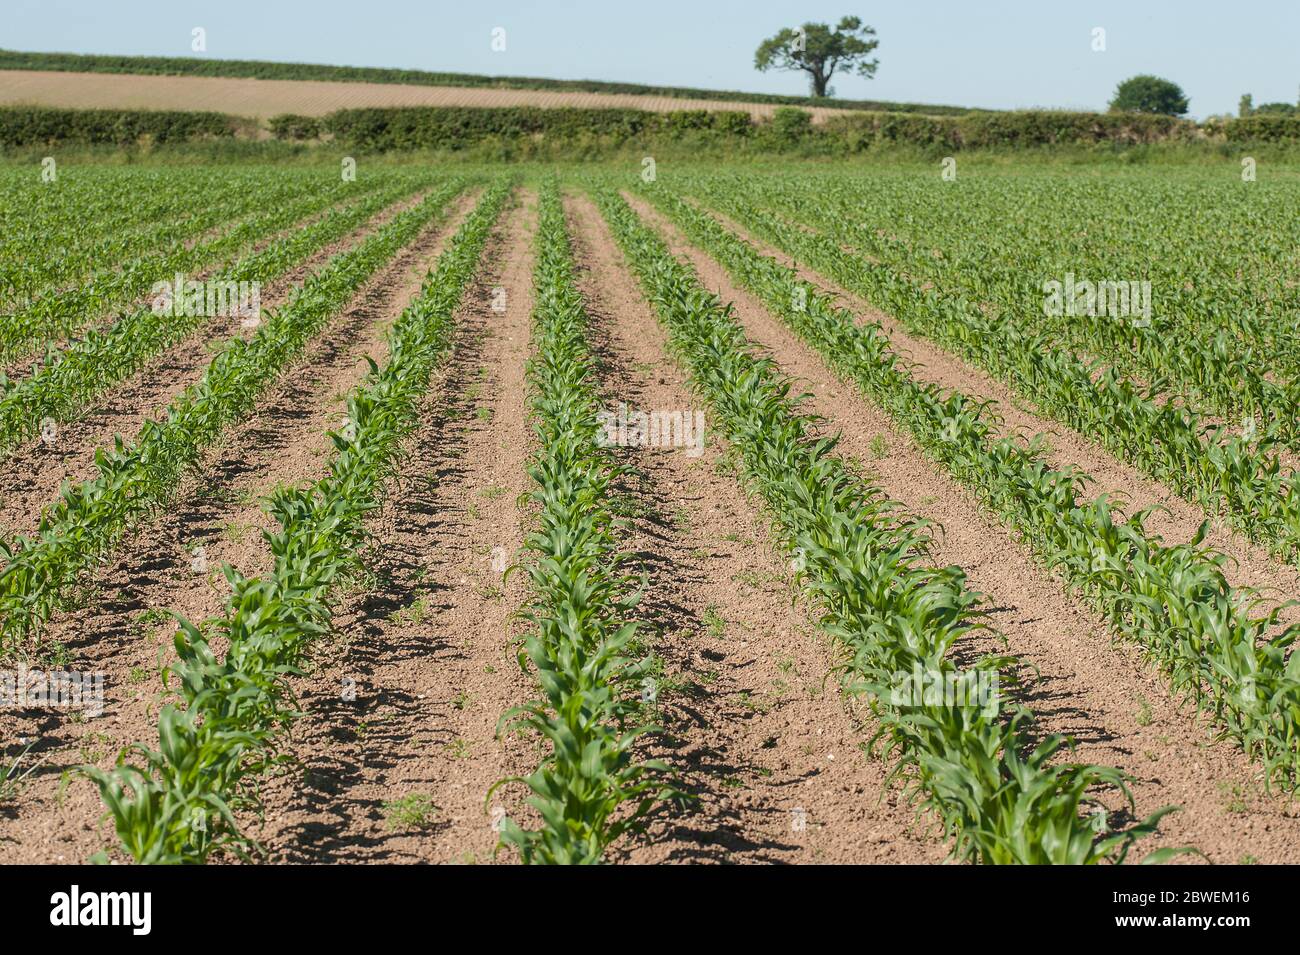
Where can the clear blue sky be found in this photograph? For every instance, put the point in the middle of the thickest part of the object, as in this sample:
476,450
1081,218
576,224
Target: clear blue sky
1013,53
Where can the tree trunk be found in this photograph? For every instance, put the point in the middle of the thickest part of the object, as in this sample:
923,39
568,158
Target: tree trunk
819,84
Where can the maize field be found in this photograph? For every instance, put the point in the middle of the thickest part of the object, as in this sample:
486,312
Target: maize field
488,514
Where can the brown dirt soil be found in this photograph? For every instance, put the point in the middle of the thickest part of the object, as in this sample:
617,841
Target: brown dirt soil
266,98
759,734
429,644
174,562
35,472
1118,710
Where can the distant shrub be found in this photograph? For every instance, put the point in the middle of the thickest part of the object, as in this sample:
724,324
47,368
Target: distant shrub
790,124
733,123
294,127
863,130
689,119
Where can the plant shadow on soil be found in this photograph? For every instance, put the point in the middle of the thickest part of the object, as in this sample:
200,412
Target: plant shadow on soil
396,580
700,772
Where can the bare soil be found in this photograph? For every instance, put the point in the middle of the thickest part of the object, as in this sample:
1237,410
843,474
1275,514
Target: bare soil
761,738
427,648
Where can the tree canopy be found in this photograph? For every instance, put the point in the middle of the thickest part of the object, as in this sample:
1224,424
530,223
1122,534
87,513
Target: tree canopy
1149,94
820,51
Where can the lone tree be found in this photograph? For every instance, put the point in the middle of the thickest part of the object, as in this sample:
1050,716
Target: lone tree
1149,94
819,51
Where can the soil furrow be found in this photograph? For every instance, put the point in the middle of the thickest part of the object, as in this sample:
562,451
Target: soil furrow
35,472
398,767
1177,521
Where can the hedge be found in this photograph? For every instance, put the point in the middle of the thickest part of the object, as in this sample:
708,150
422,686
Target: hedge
295,127
437,127
452,128
1269,128
457,127
1011,129
42,126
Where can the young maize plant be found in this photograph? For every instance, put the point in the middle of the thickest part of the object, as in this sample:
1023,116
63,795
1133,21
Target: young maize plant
1001,797
136,478
1227,474
64,312
178,805
62,387
1173,602
581,636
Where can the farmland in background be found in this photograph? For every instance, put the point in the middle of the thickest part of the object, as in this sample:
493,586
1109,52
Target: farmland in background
266,98
14,60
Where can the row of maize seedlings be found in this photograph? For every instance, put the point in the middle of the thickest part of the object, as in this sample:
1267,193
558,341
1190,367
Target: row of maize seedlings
178,803
137,477
1001,797
61,312
61,387
1235,475
581,634
1174,602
